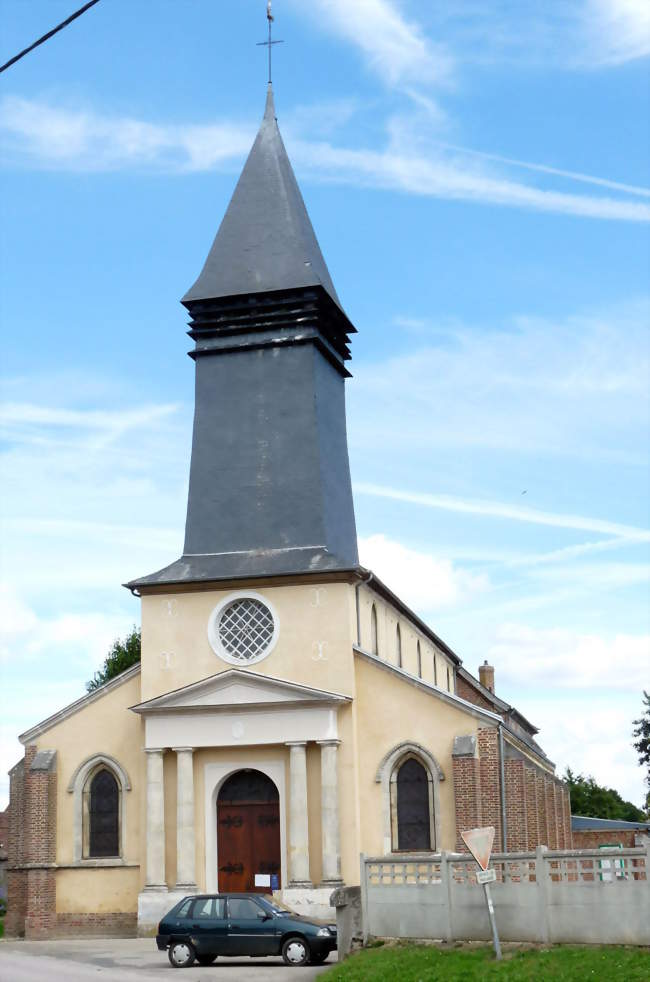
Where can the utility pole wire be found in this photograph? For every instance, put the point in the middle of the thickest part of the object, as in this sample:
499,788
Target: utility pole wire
46,37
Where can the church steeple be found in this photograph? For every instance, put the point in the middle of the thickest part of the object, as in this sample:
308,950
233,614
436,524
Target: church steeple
270,490
266,240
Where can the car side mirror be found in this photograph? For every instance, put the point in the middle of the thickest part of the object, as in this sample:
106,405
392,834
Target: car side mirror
262,916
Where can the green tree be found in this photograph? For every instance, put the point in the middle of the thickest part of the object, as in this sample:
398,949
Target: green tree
122,655
589,798
642,742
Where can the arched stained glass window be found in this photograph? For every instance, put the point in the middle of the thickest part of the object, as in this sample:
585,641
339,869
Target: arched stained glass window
104,815
413,806
374,643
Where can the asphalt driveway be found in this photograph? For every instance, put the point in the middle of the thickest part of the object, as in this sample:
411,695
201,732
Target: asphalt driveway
131,960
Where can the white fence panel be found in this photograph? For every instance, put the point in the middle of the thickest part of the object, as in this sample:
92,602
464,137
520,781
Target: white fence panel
579,896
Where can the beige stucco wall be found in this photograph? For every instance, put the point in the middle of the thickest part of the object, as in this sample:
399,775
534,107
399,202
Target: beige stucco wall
315,647
87,891
104,726
317,624
391,710
388,617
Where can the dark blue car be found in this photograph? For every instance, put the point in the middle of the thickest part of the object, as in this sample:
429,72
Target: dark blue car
208,925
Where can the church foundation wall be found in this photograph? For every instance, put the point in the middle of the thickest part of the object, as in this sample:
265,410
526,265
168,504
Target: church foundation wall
106,925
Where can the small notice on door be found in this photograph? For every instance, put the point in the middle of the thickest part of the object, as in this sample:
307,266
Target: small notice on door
262,879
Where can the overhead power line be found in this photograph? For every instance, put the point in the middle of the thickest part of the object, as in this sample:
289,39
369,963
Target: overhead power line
46,37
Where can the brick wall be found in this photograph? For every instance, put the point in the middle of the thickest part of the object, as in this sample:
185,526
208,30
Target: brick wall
532,807
467,795
31,906
4,833
488,751
516,812
97,925
16,878
468,692
593,838
537,803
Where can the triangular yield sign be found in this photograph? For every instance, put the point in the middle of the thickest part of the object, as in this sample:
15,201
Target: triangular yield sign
479,842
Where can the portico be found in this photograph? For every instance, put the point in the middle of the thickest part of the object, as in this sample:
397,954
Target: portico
240,709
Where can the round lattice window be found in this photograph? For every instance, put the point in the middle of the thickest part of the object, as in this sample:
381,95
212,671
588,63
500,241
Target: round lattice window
243,629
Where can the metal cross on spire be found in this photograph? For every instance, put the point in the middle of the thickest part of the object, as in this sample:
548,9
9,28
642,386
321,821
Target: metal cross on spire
269,44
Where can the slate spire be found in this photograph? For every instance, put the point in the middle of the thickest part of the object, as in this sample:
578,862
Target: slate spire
270,491
266,240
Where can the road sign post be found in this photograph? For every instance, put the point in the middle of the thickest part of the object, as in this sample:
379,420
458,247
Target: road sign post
479,842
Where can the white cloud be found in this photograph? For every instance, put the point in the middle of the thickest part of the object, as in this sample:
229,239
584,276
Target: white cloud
571,387
421,580
571,175
79,638
83,140
40,135
592,738
617,30
584,35
448,176
495,509
395,48
570,660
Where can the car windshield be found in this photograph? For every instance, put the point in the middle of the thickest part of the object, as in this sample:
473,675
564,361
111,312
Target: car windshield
277,907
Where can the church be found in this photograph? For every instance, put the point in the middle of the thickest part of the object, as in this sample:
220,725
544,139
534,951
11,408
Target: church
289,712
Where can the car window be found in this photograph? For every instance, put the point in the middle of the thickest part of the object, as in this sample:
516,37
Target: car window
183,910
212,907
243,907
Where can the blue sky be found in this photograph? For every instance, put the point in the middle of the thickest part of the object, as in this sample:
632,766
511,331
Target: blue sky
478,181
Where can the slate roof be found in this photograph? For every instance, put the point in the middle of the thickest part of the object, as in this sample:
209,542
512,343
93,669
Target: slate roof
266,240
582,823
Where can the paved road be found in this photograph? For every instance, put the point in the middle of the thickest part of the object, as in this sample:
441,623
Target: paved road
132,960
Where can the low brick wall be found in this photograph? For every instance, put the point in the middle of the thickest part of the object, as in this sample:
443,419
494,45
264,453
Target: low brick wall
96,925
593,838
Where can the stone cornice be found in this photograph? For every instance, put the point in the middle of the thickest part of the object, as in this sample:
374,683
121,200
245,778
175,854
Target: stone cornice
294,695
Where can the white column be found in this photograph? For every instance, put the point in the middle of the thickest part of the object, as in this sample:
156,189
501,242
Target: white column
185,852
155,846
331,838
298,820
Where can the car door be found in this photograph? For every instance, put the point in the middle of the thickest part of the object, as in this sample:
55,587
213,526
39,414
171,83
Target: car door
252,930
208,926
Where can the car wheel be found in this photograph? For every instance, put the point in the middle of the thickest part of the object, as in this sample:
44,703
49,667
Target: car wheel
295,952
181,954
206,959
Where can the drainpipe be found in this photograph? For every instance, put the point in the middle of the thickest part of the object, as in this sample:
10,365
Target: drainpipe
367,580
502,781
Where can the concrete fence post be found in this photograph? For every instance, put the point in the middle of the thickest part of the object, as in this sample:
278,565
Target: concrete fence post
364,898
541,879
445,882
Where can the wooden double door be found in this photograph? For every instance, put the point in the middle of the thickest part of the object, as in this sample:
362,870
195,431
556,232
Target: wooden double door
248,834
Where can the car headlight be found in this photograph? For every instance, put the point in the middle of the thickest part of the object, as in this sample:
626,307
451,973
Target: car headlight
323,932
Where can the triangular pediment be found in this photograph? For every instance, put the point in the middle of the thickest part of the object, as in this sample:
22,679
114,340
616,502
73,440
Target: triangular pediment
238,688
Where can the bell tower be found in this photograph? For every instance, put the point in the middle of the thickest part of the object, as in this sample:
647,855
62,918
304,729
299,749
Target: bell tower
270,490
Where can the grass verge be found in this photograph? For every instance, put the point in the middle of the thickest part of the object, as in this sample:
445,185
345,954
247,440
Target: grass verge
426,963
